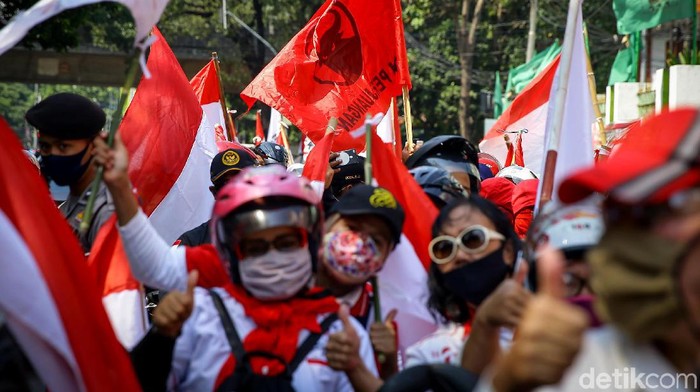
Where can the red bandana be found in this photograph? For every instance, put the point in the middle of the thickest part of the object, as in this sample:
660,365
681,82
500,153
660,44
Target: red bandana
278,324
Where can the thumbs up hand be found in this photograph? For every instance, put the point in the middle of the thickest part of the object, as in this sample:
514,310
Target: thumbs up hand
175,309
505,306
343,348
549,335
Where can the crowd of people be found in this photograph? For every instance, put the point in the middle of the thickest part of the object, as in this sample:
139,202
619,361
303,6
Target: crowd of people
275,292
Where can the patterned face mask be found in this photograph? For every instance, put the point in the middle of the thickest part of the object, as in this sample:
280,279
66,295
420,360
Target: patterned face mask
353,254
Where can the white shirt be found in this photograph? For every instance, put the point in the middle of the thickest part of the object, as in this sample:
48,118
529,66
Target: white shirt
446,345
203,348
610,361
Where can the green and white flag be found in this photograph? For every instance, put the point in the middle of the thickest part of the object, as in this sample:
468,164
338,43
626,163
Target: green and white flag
637,15
624,69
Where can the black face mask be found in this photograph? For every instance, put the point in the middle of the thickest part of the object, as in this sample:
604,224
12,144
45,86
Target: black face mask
64,170
477,280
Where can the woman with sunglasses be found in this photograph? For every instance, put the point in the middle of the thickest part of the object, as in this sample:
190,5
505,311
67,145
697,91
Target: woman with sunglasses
473,254
267,328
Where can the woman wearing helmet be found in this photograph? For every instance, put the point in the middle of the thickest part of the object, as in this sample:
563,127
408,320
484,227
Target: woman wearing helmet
267,328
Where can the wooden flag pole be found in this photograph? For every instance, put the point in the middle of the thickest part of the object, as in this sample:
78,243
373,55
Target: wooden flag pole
407,117
285,140
123,103
594,95
381,357
559,98
230,127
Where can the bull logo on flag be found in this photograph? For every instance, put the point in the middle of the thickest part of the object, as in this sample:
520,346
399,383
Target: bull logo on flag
335,46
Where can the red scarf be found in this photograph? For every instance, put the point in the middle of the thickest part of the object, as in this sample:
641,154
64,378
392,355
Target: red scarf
278,324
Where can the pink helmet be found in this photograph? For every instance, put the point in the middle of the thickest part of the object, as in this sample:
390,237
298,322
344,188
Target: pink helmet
260,198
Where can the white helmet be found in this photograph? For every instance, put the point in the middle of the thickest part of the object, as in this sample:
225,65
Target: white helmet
516,174
571,229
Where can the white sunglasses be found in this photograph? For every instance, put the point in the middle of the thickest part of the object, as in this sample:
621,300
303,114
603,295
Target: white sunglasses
473,239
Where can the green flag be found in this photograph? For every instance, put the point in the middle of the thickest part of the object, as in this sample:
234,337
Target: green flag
520,76
626,63
637,15
497,97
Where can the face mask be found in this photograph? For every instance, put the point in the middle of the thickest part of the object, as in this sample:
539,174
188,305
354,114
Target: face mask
475,281
633,278
585,302
352,254
276,275
65,170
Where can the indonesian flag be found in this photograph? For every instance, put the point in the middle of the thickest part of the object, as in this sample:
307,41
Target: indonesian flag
389,129
317,163
527,111
403,282
146,14
575,149
170,148
273,129
349,60
259,130
206,87
49,299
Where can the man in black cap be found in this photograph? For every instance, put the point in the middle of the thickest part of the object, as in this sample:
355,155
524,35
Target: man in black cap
67,124
361,230
351,171
452,153
224,166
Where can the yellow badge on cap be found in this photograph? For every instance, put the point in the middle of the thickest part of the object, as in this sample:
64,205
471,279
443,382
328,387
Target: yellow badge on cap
382,198
230,158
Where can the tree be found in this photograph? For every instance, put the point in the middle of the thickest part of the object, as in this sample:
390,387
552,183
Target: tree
466,43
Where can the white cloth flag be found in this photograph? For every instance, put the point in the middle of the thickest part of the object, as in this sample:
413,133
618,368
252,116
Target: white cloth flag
146,14
273,130
575,149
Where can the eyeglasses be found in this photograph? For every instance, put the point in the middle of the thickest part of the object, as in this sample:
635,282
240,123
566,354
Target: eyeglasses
573,284
473,239
282,243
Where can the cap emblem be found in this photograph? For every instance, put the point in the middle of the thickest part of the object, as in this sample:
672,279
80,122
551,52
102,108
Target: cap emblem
382,198
230,158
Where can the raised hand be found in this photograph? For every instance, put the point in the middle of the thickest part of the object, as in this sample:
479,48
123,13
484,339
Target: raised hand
175,308
549,335
343,348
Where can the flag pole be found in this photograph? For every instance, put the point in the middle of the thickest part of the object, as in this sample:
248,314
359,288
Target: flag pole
123,103
694,46
407,117
594,94
230,127
381,357
285,140
559,98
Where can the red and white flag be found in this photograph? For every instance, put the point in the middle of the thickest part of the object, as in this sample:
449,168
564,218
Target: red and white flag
259,130
389,128
317,163
49,299
146,14
403,282
170,148
527,112
273,129
575,149
206,87
349,60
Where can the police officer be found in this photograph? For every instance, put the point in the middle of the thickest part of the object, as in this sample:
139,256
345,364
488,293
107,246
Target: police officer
225,165
452,153
67,125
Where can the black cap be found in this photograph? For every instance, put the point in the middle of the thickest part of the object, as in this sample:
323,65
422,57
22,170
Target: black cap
232,159
352,171
455,151
67,116
370,200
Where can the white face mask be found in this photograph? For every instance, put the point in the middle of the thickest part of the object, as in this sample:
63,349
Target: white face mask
276,275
